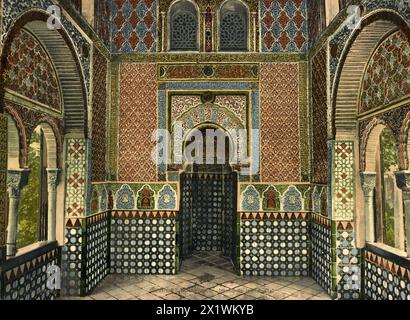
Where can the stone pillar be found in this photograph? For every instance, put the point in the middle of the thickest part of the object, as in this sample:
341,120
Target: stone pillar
254,47
368,185
403,182
16,180
163,45
52,181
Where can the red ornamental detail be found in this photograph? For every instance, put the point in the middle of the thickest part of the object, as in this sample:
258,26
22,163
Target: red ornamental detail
149,19
119,3
119,20
208,30
148,40
269,40
119,40
134,3
134,19
283,19
268,20
284,40
133,40
299,19
299,39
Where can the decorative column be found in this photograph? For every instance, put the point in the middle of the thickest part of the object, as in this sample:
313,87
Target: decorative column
254,21
162,31
368,185
16,180
52,182
403,182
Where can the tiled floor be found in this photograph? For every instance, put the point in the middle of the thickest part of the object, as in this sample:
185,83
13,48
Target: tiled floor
206,277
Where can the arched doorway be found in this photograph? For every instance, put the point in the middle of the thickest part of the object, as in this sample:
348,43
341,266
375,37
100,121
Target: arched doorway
208,220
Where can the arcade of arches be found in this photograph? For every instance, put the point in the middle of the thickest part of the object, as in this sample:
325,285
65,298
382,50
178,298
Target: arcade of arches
318,93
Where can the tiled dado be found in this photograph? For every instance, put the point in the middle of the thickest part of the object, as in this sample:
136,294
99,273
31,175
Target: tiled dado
85,253
25,277
274,244
385,279
348,261
321,255
143,242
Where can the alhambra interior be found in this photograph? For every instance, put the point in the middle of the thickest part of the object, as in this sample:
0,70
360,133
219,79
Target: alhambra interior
322,88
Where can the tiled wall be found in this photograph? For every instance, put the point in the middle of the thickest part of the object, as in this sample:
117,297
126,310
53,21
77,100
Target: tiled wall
143,242
284,25
134,26
385,279
321,256
25,277
97,249
274,244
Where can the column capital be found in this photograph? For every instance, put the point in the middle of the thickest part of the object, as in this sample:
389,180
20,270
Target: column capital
52,177
368,180
16,180
403,180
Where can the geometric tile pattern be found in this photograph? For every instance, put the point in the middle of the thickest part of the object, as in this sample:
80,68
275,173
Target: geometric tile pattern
321,237
274,247
387,77
319,116
142,245
96,262
76,178
30,72
27,281
384,280
99,118
344,189
348,266
72,263
280,122
284,25
3,179
138,89
134,27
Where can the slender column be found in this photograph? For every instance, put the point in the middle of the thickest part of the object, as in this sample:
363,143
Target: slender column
162,31
52,181
403,182
368,186
254,21
16,180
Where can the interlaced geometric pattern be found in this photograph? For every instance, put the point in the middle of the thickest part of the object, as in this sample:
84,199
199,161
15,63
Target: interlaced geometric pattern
322,251
344,206
280,122
143,245
184,28
319,116
28,280
385,280
99,116
274,247
97,250
138,120
234,32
